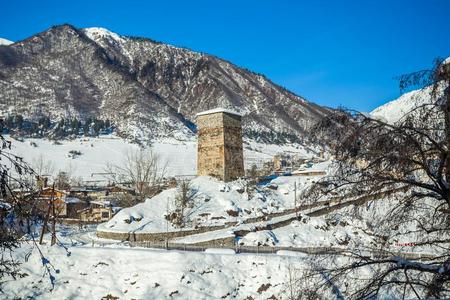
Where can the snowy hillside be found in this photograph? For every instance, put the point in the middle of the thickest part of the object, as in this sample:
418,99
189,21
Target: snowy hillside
5,42
214,203
257,213
394,110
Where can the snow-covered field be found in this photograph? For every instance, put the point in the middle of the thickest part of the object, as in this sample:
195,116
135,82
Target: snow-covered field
96,153
132,273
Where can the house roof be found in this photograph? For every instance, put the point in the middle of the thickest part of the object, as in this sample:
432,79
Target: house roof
102,203
72,200
4,206
121,187
218,110
49,188
77,189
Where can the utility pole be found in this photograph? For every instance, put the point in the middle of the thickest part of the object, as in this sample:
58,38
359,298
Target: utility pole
54,218
167,224
47,216
44,226
295,199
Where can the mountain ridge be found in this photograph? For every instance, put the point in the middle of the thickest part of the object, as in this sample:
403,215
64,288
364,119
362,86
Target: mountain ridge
161,86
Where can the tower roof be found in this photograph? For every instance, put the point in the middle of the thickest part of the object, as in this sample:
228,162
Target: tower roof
218,110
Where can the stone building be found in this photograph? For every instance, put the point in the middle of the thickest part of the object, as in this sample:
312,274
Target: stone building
220,152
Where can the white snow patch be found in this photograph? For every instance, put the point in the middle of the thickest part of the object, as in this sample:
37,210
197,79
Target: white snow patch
446,61
291,253
5,42
95,33
220,251
218,110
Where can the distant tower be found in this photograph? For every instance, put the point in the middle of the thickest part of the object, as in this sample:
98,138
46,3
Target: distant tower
220,152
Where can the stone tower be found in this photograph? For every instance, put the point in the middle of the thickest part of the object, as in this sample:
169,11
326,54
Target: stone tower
220,152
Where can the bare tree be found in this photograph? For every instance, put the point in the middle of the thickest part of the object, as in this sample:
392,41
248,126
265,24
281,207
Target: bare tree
301,285
142,169
183,200
62,180
293,289
42,166
43,170
19,213
252,173
410,159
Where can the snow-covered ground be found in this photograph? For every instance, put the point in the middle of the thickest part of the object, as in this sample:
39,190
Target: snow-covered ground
96,153
95,270
309,232
133,273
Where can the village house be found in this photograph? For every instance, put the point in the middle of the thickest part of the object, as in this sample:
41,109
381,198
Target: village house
280,162
285,163
65,206
102,201
98,211
119,190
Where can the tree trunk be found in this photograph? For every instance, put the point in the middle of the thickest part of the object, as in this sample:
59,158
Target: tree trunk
447,140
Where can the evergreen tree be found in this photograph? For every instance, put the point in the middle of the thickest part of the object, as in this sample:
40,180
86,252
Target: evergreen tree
86,126
18,121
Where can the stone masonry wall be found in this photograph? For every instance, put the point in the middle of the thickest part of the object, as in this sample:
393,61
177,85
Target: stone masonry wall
234,154
220,152
153,236
210,153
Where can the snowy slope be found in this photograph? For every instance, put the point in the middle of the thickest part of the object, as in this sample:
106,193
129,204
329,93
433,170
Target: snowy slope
93,271
215,203
310,232
394,110
5,42
446,61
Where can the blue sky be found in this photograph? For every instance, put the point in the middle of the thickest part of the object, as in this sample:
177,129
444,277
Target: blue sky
331,52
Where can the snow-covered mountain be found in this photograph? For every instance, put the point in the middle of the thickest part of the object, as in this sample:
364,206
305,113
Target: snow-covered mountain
5,42
394,110
148,89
